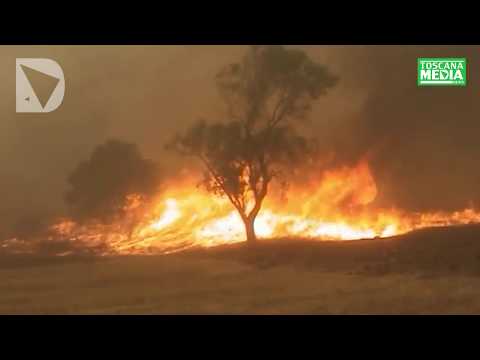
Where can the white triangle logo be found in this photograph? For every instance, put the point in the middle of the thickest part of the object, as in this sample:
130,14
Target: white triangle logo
40,85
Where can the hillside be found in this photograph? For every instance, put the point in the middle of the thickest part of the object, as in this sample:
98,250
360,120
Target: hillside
439,251
428,271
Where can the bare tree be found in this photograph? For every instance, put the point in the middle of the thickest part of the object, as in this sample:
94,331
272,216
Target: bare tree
266,95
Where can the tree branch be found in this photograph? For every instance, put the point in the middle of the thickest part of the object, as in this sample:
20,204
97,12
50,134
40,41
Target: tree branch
238,205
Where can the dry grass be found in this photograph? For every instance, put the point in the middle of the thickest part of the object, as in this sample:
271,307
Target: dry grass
432,272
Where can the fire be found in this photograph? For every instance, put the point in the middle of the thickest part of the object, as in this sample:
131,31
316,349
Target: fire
171,214
337,206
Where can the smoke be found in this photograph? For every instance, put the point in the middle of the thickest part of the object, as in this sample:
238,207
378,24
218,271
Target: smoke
421,143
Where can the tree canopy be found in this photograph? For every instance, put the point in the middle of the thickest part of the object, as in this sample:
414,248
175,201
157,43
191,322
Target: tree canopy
102,186
266,94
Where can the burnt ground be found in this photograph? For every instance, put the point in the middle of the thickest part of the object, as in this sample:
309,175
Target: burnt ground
434,251
428,271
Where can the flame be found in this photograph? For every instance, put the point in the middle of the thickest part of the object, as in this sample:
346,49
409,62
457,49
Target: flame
169,216
337,206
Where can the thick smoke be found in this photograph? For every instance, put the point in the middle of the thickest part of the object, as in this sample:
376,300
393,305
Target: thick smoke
421,142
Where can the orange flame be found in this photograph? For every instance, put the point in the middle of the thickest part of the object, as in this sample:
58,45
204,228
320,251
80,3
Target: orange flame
336,207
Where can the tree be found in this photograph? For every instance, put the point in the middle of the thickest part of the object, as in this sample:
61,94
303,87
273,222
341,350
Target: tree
266,94
112,182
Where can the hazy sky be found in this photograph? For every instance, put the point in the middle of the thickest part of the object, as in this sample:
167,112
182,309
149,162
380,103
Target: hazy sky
423,143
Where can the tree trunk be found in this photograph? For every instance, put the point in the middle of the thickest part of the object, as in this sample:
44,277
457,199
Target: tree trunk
250,230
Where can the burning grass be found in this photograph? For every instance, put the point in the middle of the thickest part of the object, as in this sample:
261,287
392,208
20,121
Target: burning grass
339,205
336,206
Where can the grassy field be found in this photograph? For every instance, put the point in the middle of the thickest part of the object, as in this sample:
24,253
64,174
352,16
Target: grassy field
434,271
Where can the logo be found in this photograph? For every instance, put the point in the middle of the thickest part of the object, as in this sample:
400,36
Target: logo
40,85
441,72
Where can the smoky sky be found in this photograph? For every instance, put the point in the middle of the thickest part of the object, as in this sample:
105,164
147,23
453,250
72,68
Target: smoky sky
422,143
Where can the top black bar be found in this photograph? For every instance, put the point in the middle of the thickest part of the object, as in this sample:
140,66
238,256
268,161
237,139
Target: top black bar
226,31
